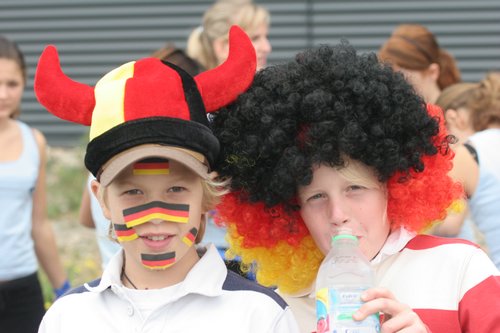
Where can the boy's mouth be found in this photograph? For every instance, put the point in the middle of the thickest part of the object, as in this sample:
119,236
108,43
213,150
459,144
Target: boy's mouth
156,242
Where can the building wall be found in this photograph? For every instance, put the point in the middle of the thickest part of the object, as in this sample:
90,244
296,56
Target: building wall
95,36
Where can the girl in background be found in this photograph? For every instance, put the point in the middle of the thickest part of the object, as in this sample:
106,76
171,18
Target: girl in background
472,114
208,44
26,233
413,50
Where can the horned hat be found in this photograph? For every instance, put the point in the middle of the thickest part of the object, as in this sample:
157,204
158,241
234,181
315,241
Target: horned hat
147,107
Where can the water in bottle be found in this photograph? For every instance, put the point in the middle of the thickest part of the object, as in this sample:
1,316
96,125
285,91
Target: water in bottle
342,277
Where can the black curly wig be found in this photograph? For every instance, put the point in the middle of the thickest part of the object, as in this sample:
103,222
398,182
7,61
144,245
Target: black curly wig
328,104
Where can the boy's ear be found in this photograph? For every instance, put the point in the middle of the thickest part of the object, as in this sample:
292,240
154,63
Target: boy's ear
212,175
95,186
433,70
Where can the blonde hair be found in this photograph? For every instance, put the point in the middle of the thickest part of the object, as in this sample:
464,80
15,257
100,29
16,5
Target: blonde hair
216,23
486,110
357,172
481,100
457,96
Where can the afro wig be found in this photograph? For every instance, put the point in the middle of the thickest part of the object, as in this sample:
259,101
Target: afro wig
328,105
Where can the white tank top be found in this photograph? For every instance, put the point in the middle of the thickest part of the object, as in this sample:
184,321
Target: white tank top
17,182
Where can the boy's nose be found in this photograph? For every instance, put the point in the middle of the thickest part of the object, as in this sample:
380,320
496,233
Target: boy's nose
338,214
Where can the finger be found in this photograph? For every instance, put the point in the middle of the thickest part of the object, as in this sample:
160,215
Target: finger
406,321
374,306
377,292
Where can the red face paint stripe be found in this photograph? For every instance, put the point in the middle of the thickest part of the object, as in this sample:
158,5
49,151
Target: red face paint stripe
158,263
156,216
123,233
190,237
155,210
152,165
157,260
151,168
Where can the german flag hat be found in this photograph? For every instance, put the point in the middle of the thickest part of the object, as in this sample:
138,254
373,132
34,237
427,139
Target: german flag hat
147,108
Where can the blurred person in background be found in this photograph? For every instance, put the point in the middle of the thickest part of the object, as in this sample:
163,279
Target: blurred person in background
208,44
91,215
414,50
472,114
26,233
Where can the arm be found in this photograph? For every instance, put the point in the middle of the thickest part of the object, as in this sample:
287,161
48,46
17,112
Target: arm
85,215
480,303
452,224
42,233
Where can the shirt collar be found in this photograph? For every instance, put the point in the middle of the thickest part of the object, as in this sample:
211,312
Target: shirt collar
396,241
206,277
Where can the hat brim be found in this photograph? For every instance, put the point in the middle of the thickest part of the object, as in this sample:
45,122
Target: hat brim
193,160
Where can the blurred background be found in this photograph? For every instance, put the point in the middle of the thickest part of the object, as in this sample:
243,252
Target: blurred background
94,36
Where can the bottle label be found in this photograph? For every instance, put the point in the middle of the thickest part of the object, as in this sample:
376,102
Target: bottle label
334,309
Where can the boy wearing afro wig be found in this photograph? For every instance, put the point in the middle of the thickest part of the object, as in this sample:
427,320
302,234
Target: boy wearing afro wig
152,154
335,139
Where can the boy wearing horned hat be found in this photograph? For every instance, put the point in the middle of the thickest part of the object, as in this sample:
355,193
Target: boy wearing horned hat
151,151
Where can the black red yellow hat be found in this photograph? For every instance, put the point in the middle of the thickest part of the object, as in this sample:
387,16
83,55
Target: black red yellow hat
147,103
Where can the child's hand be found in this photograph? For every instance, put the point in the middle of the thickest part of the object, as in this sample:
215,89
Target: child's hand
398,317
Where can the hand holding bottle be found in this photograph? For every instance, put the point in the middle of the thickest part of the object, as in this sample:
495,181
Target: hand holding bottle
397,317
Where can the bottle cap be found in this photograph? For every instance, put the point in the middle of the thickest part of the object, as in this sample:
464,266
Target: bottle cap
344,236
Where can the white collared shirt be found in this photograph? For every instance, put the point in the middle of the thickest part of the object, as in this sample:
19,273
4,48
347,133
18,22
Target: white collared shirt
210,299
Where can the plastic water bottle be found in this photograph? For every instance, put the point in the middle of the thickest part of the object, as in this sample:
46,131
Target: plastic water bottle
342,277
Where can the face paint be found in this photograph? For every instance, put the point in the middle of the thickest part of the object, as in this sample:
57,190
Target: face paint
151,167
158,261
156,210
190,237
123,233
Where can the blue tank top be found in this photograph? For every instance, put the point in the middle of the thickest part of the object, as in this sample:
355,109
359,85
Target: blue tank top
485,210
17,182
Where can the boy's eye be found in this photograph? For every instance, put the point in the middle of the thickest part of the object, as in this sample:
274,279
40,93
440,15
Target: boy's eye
176,189
355,188
133,192
316,196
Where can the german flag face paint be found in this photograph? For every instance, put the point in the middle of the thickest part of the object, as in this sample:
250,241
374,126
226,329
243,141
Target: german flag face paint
158,261
124,234
151,166
190,237
156,210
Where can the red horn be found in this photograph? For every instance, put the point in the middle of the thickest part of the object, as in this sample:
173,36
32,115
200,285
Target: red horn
63,97
222,85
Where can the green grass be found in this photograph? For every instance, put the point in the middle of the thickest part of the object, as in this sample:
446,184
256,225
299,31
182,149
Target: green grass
66,178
